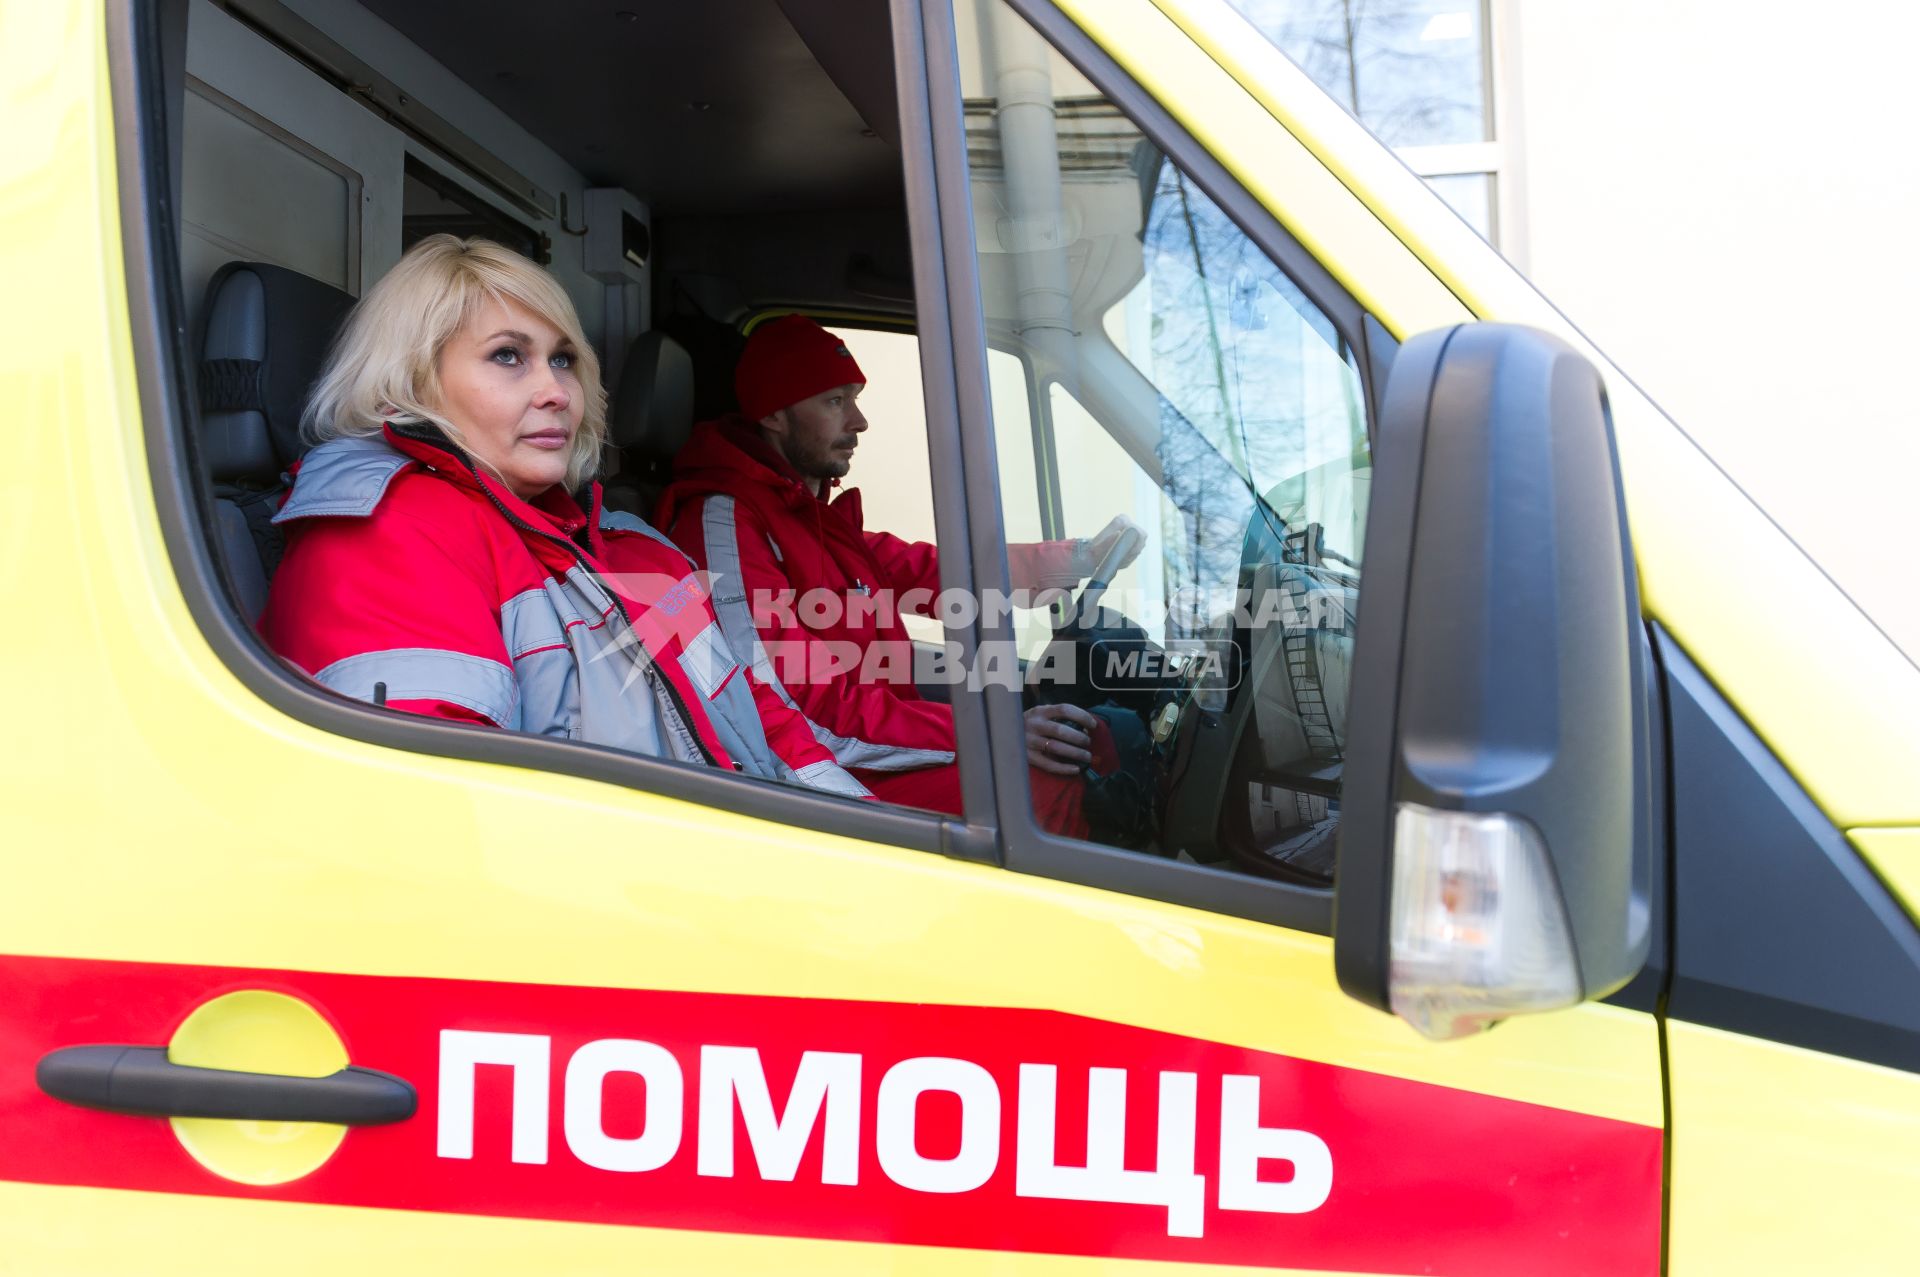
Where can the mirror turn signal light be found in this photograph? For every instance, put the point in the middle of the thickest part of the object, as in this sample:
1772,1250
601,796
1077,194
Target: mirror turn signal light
1478,931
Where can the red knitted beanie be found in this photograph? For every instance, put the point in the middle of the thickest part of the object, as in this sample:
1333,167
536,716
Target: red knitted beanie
787,360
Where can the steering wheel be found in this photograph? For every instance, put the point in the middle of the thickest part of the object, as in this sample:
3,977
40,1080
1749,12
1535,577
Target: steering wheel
1087,603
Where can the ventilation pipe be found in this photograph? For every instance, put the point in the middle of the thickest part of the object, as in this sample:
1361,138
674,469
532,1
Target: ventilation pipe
1016,59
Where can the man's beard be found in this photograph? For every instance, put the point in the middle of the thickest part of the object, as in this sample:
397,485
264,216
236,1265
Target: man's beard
824,464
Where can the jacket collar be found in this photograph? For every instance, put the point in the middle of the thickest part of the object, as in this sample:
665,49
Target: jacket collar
349,477
727,453
733,447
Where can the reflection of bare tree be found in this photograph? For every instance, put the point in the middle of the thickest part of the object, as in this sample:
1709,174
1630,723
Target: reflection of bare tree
1231,343
1374,57
1252,383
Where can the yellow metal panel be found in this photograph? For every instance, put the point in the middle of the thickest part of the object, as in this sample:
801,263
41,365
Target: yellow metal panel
1895,853
258,1031
164,1236
236,836
1831,696
1789,1161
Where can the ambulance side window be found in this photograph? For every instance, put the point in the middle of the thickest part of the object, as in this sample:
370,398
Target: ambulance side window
297,192
1184,382
893,473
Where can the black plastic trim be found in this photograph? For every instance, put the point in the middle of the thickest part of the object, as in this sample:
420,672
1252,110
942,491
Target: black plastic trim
1377,357
1373,703
1647,991
142,1081
1031,849
1781,930
923,54
1513,694
156,311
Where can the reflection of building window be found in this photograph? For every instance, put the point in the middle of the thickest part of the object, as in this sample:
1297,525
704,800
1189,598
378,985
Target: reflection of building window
1415,72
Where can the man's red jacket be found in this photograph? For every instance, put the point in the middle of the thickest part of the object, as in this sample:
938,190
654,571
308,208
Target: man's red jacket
798,580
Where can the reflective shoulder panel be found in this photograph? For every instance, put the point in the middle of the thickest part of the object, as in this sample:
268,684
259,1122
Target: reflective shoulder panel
343,478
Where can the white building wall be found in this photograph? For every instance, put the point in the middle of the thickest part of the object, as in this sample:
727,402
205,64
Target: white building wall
1725,195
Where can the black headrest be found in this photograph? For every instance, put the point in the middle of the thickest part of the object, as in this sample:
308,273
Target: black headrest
266,335
652,412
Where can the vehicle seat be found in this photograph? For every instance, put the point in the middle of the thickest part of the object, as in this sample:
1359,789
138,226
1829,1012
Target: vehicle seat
649,419
266,336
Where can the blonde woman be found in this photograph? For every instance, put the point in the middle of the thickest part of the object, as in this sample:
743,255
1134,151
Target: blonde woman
447,553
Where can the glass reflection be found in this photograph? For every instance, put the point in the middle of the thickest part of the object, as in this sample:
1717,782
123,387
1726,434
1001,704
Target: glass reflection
1413,71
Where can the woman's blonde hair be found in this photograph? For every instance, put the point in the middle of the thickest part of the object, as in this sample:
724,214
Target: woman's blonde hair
385,364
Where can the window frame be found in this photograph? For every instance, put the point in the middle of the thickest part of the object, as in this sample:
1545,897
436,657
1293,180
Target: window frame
831,317
1487,158
421,164
1029,848
146,60
1492,157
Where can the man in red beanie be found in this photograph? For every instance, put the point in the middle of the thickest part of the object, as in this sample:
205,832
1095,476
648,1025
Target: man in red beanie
812,599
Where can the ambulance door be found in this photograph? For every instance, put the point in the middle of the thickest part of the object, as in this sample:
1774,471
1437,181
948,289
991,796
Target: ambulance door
1207,349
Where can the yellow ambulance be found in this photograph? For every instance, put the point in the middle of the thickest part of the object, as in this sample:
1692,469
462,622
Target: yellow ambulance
1520,867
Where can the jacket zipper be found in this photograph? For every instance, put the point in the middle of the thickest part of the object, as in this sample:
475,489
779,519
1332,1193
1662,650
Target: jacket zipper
673,693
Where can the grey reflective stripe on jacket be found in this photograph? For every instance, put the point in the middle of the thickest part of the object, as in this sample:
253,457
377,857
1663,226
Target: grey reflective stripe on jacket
712,654
428,674
564,639
728,586
578,670
833,778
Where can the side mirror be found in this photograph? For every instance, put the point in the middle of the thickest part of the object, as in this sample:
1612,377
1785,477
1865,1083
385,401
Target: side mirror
1496,828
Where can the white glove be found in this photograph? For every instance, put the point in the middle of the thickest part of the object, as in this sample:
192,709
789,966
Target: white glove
1088,555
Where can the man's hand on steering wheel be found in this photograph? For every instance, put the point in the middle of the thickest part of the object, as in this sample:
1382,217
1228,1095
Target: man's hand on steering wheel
1058,739
1118,527
1090,554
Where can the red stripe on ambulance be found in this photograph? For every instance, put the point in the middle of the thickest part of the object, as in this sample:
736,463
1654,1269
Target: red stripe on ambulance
978,1127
